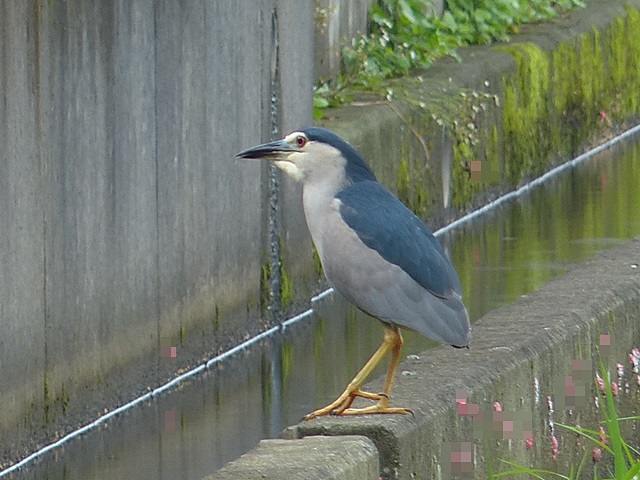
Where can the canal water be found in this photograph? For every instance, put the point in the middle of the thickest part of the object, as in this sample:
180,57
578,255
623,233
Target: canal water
215,417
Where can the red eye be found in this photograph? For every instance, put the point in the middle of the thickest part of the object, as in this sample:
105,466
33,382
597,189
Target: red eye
301,141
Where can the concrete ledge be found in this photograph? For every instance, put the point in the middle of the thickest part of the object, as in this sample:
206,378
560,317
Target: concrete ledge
521,357
321,458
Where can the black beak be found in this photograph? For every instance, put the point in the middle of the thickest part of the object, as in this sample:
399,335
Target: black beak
269,151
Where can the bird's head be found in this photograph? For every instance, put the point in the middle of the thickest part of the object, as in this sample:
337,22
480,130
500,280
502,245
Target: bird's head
314,154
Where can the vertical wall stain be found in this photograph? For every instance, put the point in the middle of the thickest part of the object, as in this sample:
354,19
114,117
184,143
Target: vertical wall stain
274,277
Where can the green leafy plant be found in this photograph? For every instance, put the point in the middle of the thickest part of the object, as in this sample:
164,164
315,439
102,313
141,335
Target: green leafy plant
406,36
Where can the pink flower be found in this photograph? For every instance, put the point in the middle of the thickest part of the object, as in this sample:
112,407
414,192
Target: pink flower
465,408
596,454
497,407
634,359
554,447
603,436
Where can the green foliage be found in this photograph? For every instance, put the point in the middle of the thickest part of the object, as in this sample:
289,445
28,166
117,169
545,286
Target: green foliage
405,36
625,464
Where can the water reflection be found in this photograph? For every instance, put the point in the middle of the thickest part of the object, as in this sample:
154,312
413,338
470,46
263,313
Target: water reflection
578,214
218,416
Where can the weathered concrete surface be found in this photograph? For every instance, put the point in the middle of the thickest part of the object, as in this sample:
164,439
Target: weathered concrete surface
521,356
126,227
314,458
295,23
21,223
336,23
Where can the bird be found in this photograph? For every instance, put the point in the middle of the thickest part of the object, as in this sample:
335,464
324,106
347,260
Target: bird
374,251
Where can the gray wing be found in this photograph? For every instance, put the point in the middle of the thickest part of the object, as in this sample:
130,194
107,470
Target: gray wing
405,277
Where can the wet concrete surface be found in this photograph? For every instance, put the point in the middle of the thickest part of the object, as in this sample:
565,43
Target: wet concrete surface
215,417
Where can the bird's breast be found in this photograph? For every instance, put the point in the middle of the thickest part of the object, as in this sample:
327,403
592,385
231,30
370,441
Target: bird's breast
331,235
349,265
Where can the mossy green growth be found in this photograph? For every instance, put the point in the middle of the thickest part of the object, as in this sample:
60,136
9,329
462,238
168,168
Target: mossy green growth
556,102
623,67
412,188
526,113
317,263
476,146
612,320
287,290
265,294
287,362
493,153
551,107
460,114
579,91
404,181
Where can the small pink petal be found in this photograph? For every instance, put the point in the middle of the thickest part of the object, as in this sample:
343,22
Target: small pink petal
603,436
554,447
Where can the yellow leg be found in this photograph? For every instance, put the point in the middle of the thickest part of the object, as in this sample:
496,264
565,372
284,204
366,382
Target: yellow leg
392,342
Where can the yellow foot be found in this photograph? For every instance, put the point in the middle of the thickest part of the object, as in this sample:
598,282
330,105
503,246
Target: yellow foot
377,409
342,404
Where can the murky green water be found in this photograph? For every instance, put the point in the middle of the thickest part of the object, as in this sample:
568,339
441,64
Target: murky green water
218,416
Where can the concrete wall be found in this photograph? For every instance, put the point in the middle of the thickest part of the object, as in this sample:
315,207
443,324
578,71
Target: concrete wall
125,223
336,23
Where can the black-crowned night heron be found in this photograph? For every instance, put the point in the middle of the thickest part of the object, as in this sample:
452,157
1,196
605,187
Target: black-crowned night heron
374,251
